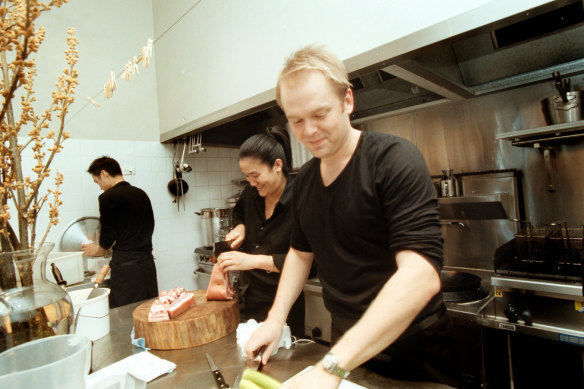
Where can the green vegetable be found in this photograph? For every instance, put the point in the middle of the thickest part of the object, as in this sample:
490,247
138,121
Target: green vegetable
260,379
245,384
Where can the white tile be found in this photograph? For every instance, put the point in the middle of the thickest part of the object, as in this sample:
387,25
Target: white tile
202,193
214,178
202,179
215,192
225,152
224,178
225,164
201,165
213,164
226,191
235,165
212,152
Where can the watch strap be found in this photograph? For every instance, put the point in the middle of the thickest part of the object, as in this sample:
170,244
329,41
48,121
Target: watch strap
330,364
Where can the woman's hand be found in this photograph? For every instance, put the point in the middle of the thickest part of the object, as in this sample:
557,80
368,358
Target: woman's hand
237,235
236,260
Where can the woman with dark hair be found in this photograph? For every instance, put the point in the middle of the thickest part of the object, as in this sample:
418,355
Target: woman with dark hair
263,220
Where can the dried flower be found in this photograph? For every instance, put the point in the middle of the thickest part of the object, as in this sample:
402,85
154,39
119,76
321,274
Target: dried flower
19,39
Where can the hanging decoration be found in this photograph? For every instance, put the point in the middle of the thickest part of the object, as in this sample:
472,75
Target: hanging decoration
131,67
129,72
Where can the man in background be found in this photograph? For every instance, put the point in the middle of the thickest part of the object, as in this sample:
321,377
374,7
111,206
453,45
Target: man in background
127,224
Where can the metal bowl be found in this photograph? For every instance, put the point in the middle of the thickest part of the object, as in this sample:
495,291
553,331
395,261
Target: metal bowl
78,232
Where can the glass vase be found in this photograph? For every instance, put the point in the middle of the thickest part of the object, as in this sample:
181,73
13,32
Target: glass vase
31,307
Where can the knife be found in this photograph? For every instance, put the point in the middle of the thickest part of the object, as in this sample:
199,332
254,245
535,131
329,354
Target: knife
259,353
219,380
98,280
221,247
58,276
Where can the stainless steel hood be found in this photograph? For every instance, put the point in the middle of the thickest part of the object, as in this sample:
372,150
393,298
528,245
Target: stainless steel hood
511,53
520,50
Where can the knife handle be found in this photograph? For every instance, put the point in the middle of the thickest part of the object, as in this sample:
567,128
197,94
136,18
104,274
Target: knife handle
57,274
220,380
101,275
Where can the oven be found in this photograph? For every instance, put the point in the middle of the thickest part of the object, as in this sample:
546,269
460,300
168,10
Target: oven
474,224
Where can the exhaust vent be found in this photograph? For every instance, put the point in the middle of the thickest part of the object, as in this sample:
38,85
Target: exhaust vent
538,26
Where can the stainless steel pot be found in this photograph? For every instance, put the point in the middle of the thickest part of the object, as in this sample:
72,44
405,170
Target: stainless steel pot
215,224
557,111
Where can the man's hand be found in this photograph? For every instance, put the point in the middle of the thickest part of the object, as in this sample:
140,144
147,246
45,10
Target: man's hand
268,334
317,378
92,250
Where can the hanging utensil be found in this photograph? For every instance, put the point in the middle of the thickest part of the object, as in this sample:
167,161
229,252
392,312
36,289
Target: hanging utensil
177,186
183,167
559,84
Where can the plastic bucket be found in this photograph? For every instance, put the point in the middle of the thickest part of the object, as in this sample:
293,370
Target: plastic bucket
60,361
93,320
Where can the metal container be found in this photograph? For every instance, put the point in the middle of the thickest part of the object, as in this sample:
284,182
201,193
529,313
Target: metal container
448,184
215,224
558,112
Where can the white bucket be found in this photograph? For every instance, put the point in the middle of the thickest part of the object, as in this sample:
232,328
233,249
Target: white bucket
93,320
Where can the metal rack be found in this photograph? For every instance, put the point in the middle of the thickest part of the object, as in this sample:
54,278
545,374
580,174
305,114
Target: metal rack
544,134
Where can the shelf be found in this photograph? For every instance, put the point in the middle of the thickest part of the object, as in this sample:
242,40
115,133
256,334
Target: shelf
478,207
551,133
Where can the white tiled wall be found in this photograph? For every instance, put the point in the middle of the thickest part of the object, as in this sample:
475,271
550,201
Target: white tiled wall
178,229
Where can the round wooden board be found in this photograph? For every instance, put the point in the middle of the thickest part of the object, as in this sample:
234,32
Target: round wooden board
202,323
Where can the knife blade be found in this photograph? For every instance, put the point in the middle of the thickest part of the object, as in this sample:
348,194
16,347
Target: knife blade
221,247
219,380
259,353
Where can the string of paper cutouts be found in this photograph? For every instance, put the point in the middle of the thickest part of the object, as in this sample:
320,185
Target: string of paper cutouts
131,67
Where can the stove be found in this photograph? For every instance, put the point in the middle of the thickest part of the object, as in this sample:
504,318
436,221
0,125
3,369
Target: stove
203,257
462,287
539,284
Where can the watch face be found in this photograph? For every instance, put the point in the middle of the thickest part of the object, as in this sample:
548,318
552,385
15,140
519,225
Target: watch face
329,362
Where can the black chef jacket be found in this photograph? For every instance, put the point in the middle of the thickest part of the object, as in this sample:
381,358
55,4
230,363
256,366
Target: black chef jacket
269,237
127,223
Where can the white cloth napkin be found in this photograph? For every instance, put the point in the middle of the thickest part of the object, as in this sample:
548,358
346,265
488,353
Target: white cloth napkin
244,331
143,366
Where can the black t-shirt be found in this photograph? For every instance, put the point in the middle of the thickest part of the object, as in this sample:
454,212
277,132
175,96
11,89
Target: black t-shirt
126,218
381,203
268,237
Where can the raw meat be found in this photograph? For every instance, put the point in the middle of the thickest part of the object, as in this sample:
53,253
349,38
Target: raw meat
157,312
170,304
219,285
181,304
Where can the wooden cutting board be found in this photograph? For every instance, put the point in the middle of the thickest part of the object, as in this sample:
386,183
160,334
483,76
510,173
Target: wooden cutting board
202,323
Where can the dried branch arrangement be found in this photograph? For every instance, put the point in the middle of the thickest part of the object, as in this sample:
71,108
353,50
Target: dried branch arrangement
19,39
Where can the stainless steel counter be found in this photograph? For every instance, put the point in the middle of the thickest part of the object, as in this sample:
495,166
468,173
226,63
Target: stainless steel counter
192,370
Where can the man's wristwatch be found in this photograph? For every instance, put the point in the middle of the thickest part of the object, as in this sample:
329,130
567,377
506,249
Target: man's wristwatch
330,364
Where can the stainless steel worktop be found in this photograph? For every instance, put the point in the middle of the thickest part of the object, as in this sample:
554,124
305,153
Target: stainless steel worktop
192,370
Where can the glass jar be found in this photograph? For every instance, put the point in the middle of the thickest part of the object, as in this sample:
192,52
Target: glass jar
31,307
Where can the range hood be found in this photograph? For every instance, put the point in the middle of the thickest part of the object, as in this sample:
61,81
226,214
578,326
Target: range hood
521,50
